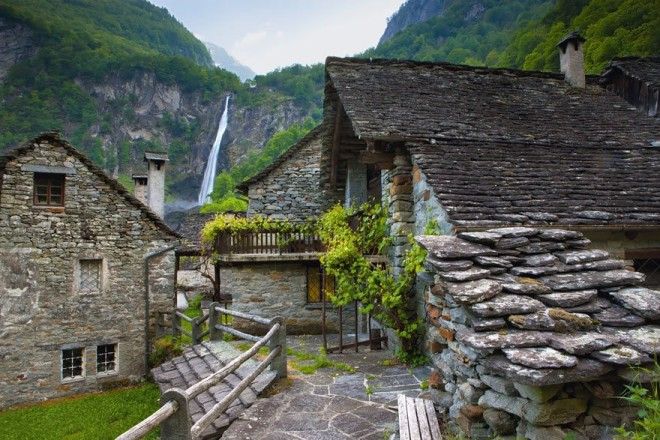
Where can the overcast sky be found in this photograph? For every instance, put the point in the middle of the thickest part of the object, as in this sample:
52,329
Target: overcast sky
265,34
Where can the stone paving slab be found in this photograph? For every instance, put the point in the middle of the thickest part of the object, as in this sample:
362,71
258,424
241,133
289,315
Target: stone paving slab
331,405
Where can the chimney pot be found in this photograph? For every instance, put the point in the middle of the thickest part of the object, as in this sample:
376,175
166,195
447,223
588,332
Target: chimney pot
140,188
156,180
571,59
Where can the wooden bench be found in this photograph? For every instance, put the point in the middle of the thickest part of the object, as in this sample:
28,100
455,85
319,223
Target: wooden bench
417,419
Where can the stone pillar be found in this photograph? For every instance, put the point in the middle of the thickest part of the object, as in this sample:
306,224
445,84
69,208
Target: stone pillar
140,188
356,184
156,181
400,209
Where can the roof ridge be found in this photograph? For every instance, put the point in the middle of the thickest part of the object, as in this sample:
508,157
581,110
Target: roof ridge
443,64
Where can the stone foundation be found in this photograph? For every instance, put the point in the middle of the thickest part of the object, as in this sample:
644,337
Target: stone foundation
534,335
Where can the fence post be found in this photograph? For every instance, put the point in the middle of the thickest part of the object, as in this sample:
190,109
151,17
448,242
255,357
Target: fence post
176,324
196,331
214,333
279,340
177,426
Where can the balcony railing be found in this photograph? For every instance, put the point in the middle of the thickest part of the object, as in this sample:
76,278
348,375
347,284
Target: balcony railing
269,243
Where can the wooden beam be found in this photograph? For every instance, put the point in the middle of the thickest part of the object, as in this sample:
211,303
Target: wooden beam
372,157
336,139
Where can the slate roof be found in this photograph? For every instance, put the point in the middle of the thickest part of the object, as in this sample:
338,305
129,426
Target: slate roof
55,138
156,155
293,149
497,144
644,69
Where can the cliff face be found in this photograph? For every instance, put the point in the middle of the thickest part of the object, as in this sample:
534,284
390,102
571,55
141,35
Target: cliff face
412,12
138,112
16,44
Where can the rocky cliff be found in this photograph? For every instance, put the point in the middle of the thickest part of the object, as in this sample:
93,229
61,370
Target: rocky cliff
16,44
412,12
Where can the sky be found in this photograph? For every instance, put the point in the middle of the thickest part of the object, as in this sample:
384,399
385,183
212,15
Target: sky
266,34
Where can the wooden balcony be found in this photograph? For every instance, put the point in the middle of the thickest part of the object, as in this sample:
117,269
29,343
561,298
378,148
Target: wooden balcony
265,246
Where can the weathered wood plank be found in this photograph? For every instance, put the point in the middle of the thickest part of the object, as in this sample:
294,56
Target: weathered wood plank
423,419
433,420
404,434
413,421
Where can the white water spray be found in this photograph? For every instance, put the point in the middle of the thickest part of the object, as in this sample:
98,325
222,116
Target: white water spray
211,163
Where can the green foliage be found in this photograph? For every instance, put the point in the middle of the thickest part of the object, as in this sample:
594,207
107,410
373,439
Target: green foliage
524,33
349,235
225,182
228,224
229,203
452,38
101,416
647,427
164,349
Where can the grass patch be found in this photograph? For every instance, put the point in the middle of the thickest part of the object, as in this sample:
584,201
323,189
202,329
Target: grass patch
90,416
308,363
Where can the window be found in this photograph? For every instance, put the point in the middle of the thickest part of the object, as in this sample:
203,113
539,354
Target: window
314,277
105,358
90,276
650,267
72,363
48,189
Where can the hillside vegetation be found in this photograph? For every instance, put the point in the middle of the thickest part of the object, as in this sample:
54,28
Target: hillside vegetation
523,33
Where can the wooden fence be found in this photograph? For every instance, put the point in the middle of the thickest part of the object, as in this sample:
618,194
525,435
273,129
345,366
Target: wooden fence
174,416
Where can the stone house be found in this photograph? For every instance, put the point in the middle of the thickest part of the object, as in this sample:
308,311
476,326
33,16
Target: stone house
521,155
84,268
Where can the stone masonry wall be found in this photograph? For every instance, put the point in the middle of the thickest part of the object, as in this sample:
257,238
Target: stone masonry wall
534,334
41,308
279,289
292,190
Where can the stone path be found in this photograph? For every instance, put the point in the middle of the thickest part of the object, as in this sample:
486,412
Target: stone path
334,405
202,360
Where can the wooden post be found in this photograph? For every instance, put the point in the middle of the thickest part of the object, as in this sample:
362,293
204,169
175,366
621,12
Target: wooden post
214,333
279,340
341,328
196,331
177,426
323,322
216,281
357,330
176,324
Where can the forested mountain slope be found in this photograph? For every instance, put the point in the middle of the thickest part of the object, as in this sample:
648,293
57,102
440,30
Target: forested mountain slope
523,33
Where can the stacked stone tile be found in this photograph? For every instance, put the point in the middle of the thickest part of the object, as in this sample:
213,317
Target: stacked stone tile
534,333
400,209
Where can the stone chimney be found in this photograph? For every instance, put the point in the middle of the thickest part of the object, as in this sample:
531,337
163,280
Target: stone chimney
571,59
140,189
156,180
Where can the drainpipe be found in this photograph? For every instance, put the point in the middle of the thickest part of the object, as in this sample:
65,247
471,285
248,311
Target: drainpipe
158,253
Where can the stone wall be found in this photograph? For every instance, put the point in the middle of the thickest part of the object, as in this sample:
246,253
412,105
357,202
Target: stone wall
42,309
400,209
535,335
279,289
291,190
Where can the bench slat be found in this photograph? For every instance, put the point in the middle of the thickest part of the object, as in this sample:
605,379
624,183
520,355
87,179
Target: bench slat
422,417
433,420
404,434
413,422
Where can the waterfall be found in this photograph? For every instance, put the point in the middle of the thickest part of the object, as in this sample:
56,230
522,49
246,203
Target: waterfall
211,163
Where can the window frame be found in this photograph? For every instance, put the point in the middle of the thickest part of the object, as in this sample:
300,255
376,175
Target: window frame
49,178
79,276
115,368
82,364
325,281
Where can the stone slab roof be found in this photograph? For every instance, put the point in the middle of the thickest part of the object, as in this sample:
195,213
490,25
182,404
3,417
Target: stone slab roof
499,143
536,306
644,69
55,138
156,155
200,361
483,184
309,137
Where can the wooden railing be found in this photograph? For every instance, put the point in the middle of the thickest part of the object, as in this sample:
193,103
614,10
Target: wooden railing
174,415
268,243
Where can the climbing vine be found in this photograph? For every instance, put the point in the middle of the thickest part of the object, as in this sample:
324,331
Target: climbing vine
351,236
229,224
